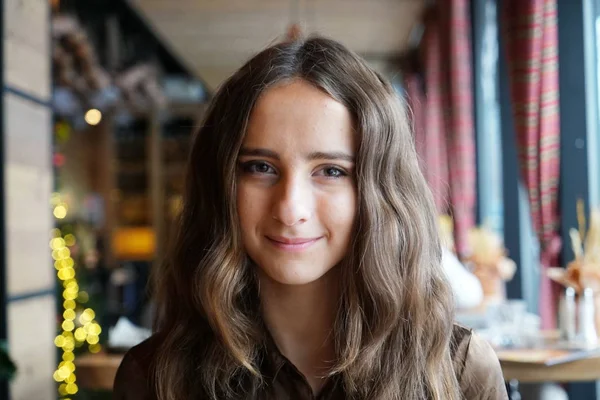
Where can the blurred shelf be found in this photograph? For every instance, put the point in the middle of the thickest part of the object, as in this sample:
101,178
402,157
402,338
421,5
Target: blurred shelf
146,176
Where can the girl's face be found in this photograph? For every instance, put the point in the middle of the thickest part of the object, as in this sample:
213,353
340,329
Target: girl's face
296,193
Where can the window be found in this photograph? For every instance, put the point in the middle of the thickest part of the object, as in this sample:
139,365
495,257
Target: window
487,115
592,73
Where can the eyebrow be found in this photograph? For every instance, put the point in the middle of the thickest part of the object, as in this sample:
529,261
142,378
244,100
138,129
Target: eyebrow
335,155
315,155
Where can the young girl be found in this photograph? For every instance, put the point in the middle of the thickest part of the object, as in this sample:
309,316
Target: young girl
307,263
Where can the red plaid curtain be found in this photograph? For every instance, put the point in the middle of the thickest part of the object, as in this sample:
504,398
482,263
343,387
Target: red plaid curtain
428,124
416,103
444,132
530,28
456,51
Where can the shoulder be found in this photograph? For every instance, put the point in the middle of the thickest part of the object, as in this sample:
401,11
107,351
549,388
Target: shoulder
476,366
134,376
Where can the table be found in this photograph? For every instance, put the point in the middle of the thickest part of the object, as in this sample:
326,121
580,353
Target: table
547,364
98,371
550,362
583,370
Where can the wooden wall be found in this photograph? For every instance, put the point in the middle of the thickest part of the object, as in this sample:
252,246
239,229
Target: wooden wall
29,317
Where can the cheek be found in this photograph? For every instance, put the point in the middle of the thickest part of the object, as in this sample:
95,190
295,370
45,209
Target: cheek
250,207
243,207
339,212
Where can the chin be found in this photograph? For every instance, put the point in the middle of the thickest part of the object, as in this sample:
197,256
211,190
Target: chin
294,275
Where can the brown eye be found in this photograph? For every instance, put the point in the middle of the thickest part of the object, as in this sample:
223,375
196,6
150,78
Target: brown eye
333,172
257,167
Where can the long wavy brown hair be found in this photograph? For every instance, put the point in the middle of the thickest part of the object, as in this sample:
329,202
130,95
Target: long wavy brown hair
395,319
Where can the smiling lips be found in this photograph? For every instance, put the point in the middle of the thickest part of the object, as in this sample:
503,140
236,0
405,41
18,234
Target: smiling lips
292,244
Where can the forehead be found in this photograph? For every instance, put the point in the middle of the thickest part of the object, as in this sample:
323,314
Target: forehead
299,116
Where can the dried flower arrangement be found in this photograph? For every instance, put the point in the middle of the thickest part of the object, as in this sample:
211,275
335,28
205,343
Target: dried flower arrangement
487,259
584,271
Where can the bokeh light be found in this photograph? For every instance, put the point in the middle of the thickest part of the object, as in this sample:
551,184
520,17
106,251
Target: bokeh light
93,117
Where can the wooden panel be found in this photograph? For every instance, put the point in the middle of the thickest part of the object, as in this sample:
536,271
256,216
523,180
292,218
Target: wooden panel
31,332
28,178
283,6
206,6
26,46
28,129
28,184
97,371
210,35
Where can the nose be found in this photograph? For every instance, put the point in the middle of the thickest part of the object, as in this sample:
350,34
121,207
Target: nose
293,201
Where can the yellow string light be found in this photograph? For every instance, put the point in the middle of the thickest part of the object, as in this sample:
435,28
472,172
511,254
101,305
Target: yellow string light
78,329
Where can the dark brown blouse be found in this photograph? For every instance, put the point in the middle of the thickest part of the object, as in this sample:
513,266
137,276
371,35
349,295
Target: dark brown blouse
475,364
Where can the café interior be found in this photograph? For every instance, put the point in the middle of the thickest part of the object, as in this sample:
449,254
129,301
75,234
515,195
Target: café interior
101,99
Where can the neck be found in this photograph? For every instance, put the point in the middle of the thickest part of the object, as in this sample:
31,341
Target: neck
300,320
